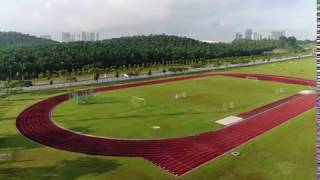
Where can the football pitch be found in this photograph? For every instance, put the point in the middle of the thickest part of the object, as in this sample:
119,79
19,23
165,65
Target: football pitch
207,100
284,153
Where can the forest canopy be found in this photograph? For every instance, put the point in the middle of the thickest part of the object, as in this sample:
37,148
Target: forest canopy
30,61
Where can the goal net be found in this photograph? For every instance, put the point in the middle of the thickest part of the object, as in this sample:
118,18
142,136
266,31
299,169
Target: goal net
138,101
228,105
181,95
252,78
279,91
83,97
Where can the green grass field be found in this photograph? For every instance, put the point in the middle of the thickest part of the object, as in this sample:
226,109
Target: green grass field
114,114
287,152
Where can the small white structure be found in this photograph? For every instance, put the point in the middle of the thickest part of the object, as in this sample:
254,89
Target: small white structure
306,92
5,156
125,75
252,78
229,120
279,91
181,95
155,127
231,105
235,153
138,101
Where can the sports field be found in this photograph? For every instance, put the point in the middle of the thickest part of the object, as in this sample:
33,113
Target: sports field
282,154
208,100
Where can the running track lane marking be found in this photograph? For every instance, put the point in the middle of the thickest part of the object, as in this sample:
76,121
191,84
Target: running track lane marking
176,155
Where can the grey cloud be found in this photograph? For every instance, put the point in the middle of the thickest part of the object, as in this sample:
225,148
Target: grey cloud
201,19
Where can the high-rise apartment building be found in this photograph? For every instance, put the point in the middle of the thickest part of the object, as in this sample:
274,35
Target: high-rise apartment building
90,36
257,36
239,36
76,37
248,34
275,35
66,37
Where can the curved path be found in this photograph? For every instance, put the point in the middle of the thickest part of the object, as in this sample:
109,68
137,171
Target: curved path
176,155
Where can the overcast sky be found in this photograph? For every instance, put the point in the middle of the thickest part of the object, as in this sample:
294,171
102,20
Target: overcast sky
215,20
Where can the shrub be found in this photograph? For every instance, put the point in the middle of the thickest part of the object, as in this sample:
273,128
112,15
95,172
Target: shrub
17,83
71,79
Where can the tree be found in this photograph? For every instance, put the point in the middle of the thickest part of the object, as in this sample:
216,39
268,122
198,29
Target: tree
124,54
96,76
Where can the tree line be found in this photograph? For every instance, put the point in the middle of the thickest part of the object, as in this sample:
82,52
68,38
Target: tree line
16,39
26,62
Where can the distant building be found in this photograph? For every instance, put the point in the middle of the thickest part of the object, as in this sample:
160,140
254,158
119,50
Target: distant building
248,34
275,35
66,37
84,36
257,36
90,36
46,37
97,37
239,36
75,37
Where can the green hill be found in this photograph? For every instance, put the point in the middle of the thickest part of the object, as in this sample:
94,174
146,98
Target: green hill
134,51
16,38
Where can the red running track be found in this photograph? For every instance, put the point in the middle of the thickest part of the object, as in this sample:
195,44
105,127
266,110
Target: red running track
177,155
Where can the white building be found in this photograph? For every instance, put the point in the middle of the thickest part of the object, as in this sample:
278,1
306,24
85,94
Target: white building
257,36
275,35
76,37
248,34
90,36
66,37
239,36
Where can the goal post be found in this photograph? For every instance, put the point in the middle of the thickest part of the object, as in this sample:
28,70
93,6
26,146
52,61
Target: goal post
181,95
252,78
138,100
83,97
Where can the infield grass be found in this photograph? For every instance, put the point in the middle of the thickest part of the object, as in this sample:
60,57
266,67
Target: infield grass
208,100
287,152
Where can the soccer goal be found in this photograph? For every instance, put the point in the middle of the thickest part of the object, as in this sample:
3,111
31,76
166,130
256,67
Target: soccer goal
83,97
181,95
252,78
138,101
279,91
228,105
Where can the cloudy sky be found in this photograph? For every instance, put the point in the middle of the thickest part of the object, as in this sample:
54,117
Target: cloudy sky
215,20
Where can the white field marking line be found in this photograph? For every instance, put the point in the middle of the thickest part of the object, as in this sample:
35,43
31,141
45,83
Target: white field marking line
55,123
233,149
138,139
252,78
269,109
51,119
277,106
237,147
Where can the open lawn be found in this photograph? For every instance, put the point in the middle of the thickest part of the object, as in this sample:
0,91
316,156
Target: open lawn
115,115
305,68
287,152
